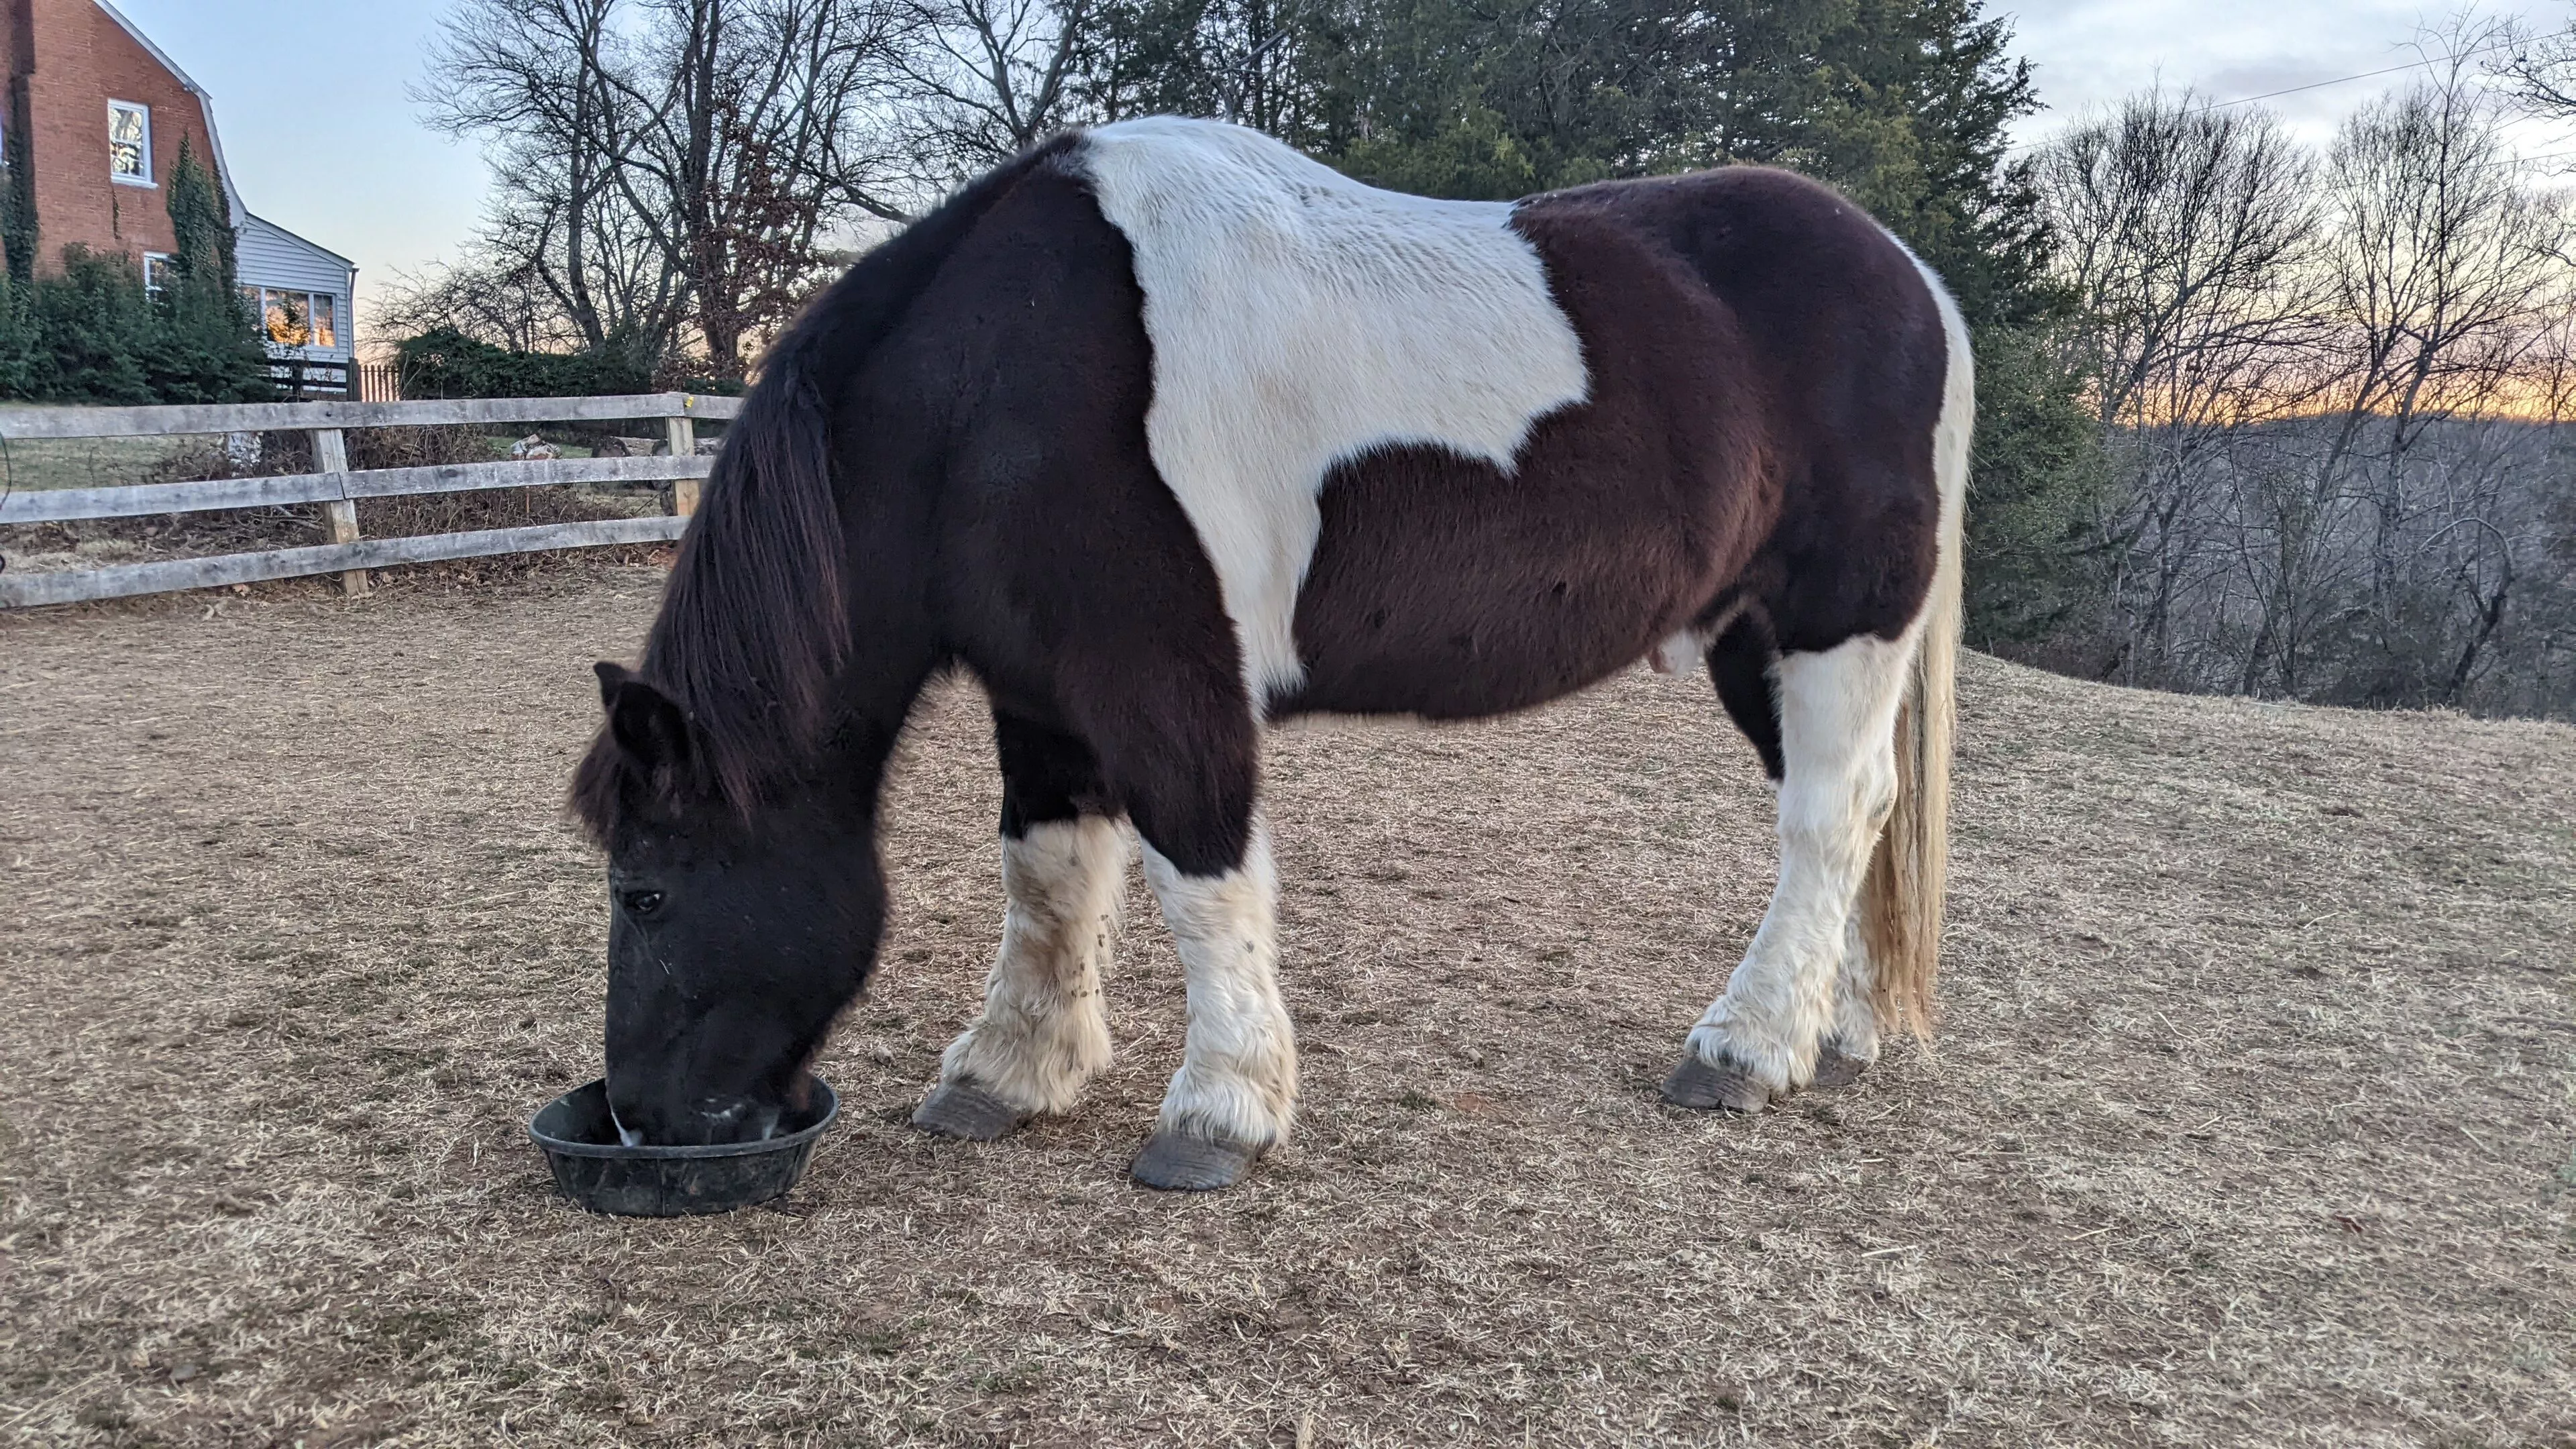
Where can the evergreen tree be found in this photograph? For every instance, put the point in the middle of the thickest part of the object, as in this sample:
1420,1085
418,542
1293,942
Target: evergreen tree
95,333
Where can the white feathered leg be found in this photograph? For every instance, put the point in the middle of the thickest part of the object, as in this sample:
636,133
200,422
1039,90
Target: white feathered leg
1236,1090
1837,735
1043,1032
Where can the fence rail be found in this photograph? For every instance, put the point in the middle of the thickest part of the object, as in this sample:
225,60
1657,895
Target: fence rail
339,488
31,424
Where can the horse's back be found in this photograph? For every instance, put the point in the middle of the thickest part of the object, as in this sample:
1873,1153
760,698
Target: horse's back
1765,373
1439,458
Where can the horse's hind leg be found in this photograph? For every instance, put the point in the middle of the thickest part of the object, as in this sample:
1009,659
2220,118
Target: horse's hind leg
1042,1033
1851,1033
1837,730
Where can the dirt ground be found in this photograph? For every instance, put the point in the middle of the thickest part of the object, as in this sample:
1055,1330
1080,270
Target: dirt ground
2251,1122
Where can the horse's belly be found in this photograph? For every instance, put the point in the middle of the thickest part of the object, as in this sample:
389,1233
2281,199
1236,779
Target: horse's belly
1445,587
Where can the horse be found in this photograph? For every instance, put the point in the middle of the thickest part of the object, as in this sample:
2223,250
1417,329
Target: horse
1166,432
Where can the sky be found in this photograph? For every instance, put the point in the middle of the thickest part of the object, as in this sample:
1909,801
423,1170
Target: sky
314,97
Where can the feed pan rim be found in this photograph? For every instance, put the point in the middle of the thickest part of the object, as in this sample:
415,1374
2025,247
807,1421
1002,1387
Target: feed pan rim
676,1151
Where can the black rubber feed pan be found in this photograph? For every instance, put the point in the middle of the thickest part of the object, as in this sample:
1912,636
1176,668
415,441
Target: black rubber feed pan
605,1175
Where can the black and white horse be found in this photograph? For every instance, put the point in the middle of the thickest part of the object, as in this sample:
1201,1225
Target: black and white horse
1166,432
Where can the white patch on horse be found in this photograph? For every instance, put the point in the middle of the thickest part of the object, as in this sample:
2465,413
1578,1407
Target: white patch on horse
1677,654
1043,1033
1238,1076
1952,432
1300,319
1838,743
1680,652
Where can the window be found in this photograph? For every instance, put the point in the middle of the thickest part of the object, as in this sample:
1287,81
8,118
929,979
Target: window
156,272
129,143
289,316
296,319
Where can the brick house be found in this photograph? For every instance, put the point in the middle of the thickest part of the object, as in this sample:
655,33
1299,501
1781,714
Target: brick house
96,115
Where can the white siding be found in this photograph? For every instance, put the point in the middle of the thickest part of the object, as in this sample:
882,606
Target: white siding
268,255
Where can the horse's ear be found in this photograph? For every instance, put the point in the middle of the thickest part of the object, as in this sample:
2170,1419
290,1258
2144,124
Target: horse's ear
646,723
611,675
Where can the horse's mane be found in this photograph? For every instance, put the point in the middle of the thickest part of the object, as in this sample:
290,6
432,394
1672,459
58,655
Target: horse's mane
753,627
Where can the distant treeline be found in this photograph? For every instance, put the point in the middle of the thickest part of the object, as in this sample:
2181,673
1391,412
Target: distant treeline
2332,392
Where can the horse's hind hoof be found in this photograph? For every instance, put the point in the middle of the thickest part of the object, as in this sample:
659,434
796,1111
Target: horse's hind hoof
1833,1069
1185,1162
960,1110
1701,1087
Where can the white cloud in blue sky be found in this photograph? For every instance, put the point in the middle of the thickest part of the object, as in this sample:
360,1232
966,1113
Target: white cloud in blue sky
313,95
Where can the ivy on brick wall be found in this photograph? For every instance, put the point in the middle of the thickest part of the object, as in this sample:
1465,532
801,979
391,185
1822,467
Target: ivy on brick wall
93,334
18,191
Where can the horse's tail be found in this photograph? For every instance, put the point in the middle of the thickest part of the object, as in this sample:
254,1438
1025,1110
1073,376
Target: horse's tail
1901,900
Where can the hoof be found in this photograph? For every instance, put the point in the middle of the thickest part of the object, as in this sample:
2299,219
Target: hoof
1184,1162
1833,1069
961,1110
1697,1085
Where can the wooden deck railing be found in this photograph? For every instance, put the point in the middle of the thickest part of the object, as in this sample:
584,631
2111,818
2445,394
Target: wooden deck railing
338,489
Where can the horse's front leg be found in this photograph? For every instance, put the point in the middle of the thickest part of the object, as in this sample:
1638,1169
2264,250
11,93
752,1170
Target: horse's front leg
1236,1090
1043,1031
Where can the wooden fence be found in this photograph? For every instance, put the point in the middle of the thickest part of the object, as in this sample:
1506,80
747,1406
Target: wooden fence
302,379
338,489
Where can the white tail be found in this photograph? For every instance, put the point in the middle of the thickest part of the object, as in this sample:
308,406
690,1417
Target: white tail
1901,899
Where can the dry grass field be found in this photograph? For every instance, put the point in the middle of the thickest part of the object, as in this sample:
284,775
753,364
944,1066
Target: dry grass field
2251,1122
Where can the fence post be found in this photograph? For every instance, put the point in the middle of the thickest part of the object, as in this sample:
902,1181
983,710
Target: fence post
683,431
331,455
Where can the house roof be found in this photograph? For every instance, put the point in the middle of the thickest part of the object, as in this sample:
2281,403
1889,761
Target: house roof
302,239
205,100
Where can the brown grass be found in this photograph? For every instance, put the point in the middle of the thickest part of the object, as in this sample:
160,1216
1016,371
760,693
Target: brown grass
2250,1122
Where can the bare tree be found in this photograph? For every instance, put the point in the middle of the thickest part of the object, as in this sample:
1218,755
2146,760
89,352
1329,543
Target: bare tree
673,170
2443,275
989,78
533,78
2338,390
749,142
2186,232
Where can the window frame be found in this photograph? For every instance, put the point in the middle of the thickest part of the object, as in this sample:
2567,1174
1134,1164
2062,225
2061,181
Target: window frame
152,261
261,295
145,180
316,314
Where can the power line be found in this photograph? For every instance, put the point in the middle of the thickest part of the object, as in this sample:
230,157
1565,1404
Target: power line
2369,74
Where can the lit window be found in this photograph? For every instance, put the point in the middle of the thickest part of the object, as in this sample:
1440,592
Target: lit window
156,272
296,319
290,318
129,143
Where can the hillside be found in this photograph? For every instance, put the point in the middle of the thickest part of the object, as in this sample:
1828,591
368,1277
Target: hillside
2253,1120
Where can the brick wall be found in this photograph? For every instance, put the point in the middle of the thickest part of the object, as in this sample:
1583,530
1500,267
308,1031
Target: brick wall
75,58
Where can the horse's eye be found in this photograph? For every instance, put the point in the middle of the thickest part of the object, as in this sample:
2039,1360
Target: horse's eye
641,903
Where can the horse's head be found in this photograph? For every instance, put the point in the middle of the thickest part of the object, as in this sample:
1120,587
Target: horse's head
735,936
